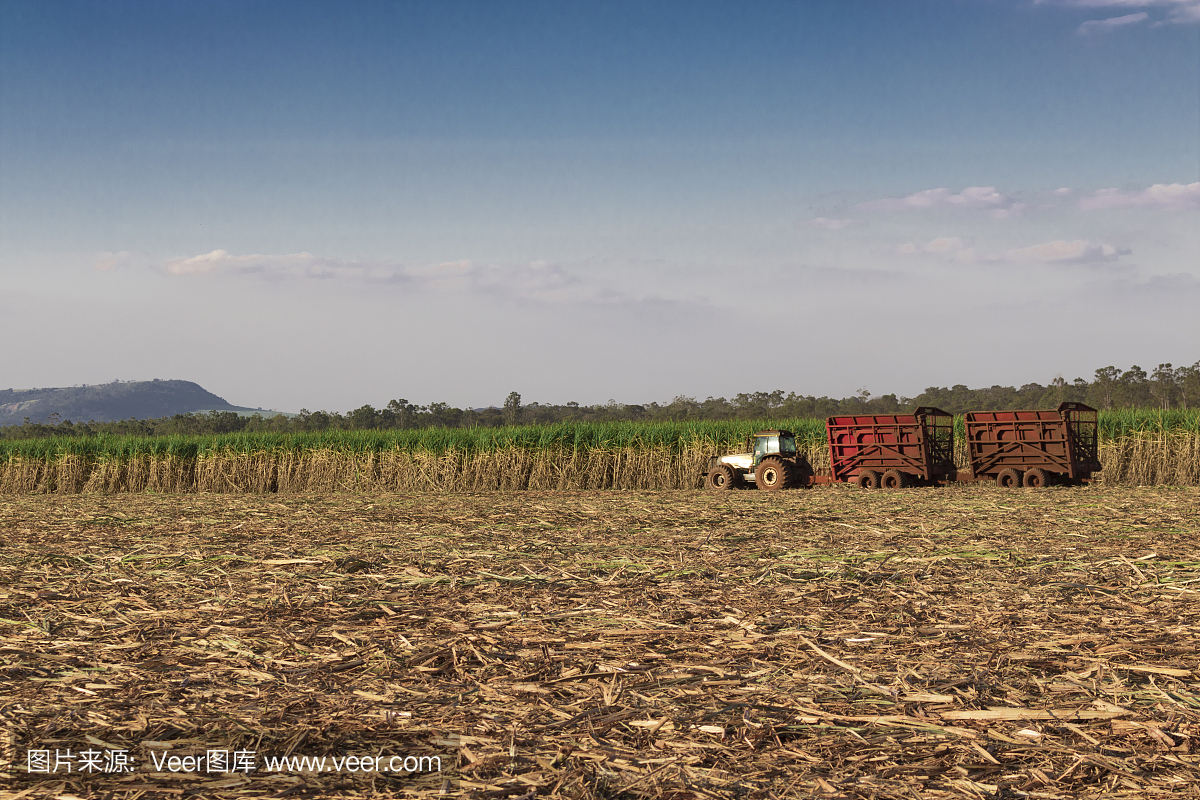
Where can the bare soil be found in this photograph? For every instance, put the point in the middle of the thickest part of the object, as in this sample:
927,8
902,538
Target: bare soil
957,642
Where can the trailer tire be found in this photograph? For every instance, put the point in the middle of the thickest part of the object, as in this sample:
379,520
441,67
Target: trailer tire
895,479
1037,478
1008,478
773,474
723,478
867,479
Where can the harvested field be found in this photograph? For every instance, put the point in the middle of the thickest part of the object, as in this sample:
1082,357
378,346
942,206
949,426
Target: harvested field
961,642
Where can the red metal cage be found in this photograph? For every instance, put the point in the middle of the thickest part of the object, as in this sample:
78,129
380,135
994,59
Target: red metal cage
918,446
1062,443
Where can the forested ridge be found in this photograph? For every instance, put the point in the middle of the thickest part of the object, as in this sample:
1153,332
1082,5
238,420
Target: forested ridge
1166,387
106,402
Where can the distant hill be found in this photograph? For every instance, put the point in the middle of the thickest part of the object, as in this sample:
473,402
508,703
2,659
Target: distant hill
109,402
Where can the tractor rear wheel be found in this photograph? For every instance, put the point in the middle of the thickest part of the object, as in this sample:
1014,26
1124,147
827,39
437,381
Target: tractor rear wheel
1008,478
773,474
895,479
723,478
1037,478
868,479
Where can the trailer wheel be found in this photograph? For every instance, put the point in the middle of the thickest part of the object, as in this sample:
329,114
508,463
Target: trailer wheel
867,479
723,478
773,474
1008,479
1037,478
895,479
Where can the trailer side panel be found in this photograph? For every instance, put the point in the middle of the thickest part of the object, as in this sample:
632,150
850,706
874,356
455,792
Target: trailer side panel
920,444
1063,441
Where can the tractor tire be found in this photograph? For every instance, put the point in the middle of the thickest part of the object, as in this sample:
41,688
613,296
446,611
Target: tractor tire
773,474
1037,478
723,479
868,479
895,479
1008,478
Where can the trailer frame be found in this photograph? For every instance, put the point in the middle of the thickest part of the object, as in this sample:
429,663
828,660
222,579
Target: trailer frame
1034,447
892,450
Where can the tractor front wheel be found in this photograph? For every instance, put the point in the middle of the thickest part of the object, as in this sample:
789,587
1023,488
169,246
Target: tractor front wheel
723,478
773,474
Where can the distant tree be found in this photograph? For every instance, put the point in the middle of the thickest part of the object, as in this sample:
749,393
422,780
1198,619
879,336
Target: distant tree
886,404
364,418
1057,392
1162,386
404,414
305,420
1188,381
1104,388
219,422
960,398
683,407
512,409
442,415
1132,388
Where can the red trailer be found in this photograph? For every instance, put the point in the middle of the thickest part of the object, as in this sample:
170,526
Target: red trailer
892,450
1034,448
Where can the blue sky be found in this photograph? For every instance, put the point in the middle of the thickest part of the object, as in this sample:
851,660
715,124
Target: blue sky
330,204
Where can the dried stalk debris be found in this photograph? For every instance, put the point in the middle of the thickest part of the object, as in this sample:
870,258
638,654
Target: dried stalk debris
961,642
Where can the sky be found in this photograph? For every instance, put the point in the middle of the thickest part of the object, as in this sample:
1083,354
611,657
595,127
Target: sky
328,204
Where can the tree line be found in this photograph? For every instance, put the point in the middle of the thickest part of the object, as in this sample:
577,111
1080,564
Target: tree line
1165,387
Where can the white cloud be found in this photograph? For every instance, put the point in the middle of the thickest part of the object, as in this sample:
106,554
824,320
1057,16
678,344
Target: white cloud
987,199
106,261
1095,3
950,247
979,198
1059,252
1168,197
1177,11
945,244
537,280
833,224
1182,14
296,264
1096,26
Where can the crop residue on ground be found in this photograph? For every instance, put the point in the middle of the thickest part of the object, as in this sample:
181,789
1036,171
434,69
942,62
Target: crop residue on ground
959,642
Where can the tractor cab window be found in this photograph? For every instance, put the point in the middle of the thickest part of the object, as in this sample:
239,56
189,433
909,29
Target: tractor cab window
787,445
765,446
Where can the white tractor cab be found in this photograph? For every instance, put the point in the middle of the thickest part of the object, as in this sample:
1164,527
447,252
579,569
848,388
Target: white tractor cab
771,462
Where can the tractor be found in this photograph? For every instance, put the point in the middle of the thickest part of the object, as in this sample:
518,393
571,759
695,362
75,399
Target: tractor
771,462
